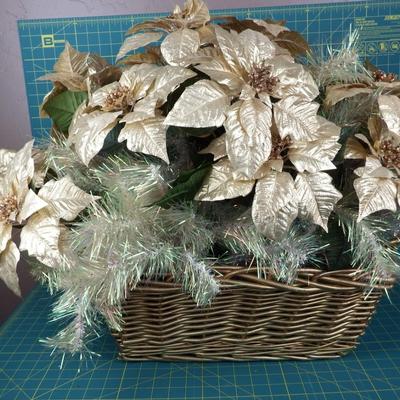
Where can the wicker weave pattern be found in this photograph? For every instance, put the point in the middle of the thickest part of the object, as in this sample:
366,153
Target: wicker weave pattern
321,315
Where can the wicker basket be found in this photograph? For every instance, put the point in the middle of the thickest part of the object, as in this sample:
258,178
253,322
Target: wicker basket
321,315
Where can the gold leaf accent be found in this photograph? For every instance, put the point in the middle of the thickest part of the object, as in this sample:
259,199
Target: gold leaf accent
375,194
40,238
389,107
273,28
9,258
221,185
179,46
336,93
196,13
293,80
375,127
317,197
201,105
296,117
354,150
248,136
65,200
137,41
146,136
217,148
294,42
89,132
5,234
275,204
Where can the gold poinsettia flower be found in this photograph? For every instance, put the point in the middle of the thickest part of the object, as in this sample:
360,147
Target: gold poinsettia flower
133,100
40,213
278,198
182,33
378,184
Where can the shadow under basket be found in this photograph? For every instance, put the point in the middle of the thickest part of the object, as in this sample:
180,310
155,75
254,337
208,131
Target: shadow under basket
320,315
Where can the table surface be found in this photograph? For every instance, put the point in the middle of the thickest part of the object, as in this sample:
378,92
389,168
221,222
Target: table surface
28,371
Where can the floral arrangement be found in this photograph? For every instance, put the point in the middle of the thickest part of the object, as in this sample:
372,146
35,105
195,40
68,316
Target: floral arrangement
229,143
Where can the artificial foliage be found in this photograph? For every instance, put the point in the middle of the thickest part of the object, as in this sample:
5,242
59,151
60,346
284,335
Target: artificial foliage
209,142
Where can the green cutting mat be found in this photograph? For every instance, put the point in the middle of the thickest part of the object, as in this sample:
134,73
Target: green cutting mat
43,40
27,371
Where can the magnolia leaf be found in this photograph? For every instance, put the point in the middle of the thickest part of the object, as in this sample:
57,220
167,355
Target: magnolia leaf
152,55
9,258
40,236
147,136
185,187
375,127
5,234
6,156
90,132
62,107
31,204
336,93
257,48
293,80
156,24
317,197
55,91
275,204
217,148
218,70
167,80
65,200
375,194
354,149
137,41
314,156
389,107
221,185
179,46
248,136
293,42
297,118
201,105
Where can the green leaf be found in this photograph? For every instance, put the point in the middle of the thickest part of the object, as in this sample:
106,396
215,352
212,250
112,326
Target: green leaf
61,108
185,187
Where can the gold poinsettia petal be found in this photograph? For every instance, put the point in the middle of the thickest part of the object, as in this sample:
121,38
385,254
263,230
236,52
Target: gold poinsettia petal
273,28
221,185
72,67
317,197
146,136
90,131
375,127
76,122
398,193
314,156
218,70
9,258
296,117
65,200
32,203
389,107
178,47
136,42
217,148
40,238
196,13
6,156
201,105
257,48
41,168
98,98
293,80
327,129
139,78
248,136
336,93
274,205
5,234
168,78
375,194
354,149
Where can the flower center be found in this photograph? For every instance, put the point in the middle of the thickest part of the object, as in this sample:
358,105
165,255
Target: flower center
381,76
279,146
8,206
261,78
117,99
389,154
